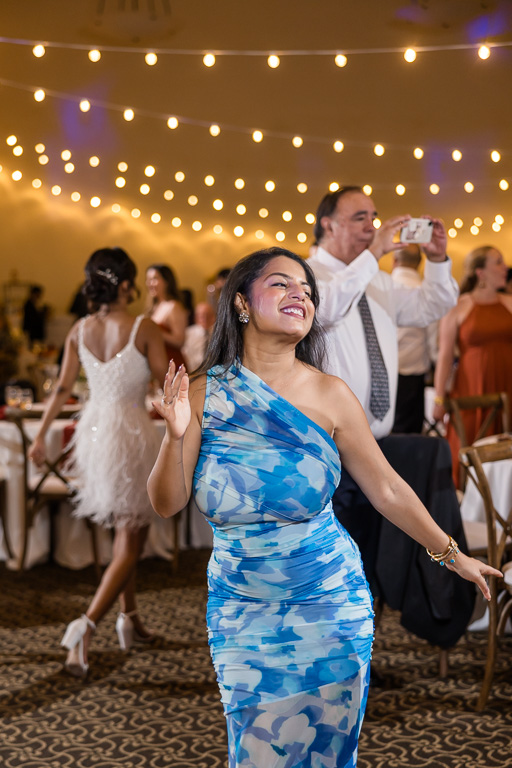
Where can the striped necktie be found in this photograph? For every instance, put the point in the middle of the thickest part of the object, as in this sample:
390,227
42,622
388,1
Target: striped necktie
379,389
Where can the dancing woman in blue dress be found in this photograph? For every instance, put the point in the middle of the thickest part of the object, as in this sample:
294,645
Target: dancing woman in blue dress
257,438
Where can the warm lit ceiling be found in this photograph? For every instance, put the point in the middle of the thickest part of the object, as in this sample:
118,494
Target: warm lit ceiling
447,99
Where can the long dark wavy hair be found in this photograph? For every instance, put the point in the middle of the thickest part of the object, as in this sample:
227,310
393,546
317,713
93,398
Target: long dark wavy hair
105,270
226,345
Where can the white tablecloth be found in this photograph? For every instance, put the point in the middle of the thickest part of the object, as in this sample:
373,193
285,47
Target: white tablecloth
499,475
72,548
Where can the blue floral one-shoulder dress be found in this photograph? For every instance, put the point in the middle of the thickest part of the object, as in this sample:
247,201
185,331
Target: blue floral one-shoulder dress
290,620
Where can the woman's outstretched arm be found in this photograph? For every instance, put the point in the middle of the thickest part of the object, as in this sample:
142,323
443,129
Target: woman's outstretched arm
386,490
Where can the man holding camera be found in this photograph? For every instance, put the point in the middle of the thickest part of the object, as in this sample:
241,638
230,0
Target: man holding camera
346,265
361,308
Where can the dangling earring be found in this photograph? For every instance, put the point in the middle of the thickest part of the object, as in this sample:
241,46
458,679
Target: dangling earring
243,317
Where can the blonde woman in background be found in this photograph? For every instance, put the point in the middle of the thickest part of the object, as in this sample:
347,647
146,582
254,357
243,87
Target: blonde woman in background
480,325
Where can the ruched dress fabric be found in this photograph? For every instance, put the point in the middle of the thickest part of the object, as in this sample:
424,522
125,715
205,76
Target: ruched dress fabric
115,441
484,368
290,619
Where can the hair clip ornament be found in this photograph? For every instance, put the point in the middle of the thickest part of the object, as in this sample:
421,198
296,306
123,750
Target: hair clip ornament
108,275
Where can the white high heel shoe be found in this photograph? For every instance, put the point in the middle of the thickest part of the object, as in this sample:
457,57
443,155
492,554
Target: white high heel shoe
126,632
73,636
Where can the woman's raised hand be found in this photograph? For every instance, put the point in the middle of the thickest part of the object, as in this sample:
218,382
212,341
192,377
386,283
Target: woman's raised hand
174,406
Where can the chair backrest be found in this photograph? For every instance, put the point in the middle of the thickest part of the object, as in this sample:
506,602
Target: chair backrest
493,406
499,523
51,467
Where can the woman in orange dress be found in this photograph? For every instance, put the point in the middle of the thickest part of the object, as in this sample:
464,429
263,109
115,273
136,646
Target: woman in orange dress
167,310
480,325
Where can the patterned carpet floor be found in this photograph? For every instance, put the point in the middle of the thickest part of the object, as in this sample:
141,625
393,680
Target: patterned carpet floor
157,706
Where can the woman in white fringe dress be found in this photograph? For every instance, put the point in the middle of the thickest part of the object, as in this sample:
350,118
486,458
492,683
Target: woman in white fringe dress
115,442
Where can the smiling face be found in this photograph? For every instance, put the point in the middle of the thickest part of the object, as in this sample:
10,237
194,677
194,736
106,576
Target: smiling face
279,300
494,274
156,285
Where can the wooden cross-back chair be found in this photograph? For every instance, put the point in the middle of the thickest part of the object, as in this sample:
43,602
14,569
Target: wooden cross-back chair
49,486
494,406
497,549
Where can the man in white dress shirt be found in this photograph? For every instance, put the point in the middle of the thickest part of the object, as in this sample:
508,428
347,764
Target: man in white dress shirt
346,265
417,350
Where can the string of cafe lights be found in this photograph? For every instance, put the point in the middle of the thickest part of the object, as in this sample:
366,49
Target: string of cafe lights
273,58
217,204
257,135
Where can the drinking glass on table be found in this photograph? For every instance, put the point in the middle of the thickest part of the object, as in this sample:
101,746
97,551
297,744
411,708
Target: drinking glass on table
26,399
13,397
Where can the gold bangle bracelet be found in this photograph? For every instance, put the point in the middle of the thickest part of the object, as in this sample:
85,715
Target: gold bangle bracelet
448,555
438,400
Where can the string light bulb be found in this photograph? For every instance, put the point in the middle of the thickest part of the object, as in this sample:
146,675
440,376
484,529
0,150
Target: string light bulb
168,194
367,189
499,218
456,155
65,155
149,170
379,150
38,51
208,59
12,140
297,141
94,55
340,60
400,189
334,186
257,136
280,236
241,209
418,153
239,183
458,223
38,147
122,167
434,189
484,52
192,200
84,105
263,213
95,201
238,231
310,218
172,123
478,221
287,216
410,55
273,61
469,187
17,151
128,115
259,234
69,168
56,190
214,130
270,185
39,95
120,182
179,176
151,59
338,146
144,189
302,237
94,161
302,187
217,229
218,205
495,156
209,180
176,222
503,185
